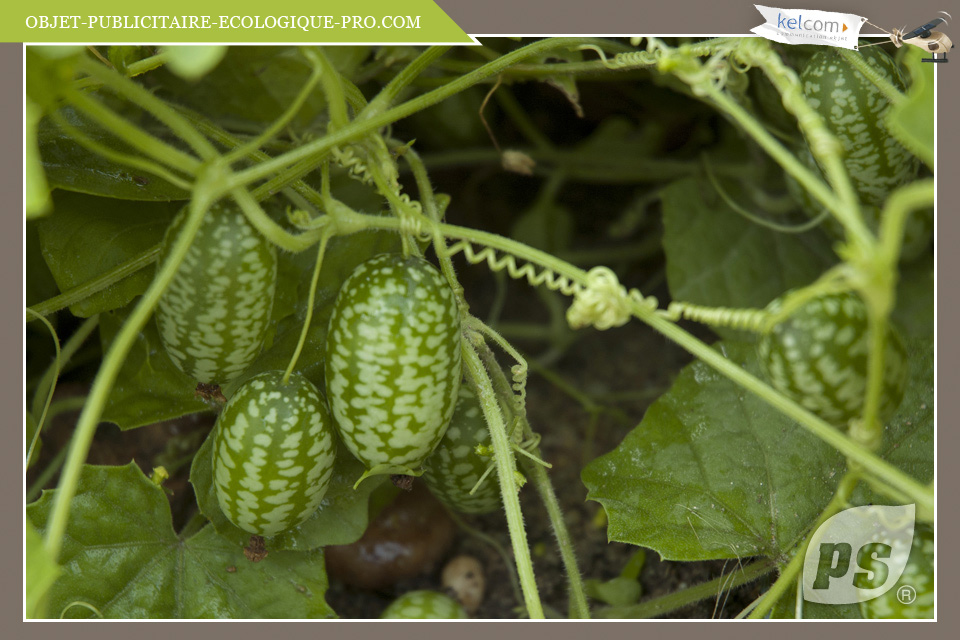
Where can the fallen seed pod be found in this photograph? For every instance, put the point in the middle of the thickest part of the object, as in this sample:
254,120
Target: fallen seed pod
464,576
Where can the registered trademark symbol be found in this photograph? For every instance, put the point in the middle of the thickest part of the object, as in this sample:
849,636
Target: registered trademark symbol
906,594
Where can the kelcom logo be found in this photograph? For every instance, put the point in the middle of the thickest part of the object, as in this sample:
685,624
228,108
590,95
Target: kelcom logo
799,24
858,554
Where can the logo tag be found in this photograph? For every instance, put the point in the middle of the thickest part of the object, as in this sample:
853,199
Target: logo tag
802,26
858,554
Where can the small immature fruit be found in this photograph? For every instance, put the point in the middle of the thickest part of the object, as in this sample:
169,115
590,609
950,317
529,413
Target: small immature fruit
213,317
421,605
854,109
454,467
393,361
917,579
818,357
273,453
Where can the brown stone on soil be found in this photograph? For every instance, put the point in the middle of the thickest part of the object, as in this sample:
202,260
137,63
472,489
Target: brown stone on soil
256,550
407,538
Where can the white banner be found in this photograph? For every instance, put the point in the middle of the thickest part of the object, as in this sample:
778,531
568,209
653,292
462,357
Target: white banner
802,26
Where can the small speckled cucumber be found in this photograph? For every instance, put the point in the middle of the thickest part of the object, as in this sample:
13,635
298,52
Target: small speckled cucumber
273,453
423,605
818,357
393,362
213,317
918,576
854,110
454,467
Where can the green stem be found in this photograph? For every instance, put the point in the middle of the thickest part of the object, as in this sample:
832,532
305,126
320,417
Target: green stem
132,135
65,354
140,96
844,205
310,298
46,475
541,481
691,595
109,369
506,472
887,88
401,81
101,282
359,128
793,568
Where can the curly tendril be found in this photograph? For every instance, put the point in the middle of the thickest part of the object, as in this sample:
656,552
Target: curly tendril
746,319
604,303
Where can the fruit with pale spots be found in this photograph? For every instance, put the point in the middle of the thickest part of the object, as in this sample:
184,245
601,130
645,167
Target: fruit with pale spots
818,357
213,316
393,362
273,453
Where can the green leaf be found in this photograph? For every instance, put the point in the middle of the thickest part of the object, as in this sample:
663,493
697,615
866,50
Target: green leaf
88,236
618,592
716,257
121,555
40,284
908,436
915,299
911,122
253,86
37,197
341,519
149,387
714,472
73,167
194,61
41,572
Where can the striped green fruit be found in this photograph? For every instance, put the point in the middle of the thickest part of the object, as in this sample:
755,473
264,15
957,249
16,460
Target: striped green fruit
918,580
213,317
854,109
273,453
454,467
423,605
917,233
393,362
818,357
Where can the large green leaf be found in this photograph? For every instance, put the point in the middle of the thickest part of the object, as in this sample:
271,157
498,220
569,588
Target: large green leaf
121,555
149,388
716,257
41,572
73,167
253,86
713,472
88,236
911,122
341,519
